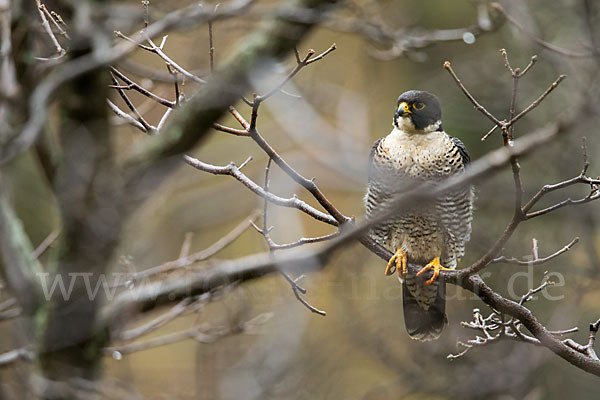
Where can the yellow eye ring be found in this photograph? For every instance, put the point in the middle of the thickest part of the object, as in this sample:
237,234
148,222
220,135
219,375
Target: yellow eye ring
418,106
404,106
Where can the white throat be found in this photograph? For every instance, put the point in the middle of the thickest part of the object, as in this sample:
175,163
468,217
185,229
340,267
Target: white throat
406,125
403,146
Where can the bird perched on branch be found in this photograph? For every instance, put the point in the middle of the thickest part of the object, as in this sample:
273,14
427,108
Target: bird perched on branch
432,234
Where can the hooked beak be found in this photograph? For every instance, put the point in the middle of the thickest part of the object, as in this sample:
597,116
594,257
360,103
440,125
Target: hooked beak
403,109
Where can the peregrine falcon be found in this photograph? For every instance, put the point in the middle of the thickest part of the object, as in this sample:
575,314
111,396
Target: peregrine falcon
433,235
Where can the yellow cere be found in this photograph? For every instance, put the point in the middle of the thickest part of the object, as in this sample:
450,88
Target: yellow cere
405,106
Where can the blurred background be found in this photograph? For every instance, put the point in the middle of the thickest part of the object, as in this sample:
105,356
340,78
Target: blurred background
360,350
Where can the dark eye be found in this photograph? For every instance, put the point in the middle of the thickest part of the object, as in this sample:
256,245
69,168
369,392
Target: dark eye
418,106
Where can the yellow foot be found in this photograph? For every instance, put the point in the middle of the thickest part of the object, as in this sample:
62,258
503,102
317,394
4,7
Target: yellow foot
397,262
436,267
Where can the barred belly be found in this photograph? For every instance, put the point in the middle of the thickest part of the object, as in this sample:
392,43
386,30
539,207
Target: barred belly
422,236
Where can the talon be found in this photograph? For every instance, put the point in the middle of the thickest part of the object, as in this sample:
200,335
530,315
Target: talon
397,263
436,267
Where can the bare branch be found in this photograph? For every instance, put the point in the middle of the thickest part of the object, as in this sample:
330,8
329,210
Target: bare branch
544,44
561,185
478,106
158,51
398,42
164,119
239,117
594,195
131,85
487,135
302,241
120,34
297,289
192,333
190,259
59,50
305,303
529,295
57,20
233,131
21,268
175,84
537,101
157,322
300,63
9,309
536,261
15,355
147,127
126,117
8,74
187,243
197,333
211,47
586,163
225,87
73,69
232,170
306,183
46,243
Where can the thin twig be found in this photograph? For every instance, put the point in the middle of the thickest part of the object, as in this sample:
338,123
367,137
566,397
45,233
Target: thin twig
581,178
46,243
146,8
211,47
586,162
265,232
594,195
300,63
126,117
130,105
529,295
8,304
508,136
59,50
191,333
233,131
484,137
478,106
175,83
120,35
156,323
15,355
557,186
163,119
308,184
52,16
536,261
537,101
8,74
9,309
541,42
131,85
187,243
158,51
10,314
302,241
232,170
210,251
532,61
245,124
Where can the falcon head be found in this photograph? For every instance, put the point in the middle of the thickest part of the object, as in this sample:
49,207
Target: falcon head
418,112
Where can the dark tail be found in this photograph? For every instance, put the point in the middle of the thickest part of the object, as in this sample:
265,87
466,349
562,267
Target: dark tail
424,324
